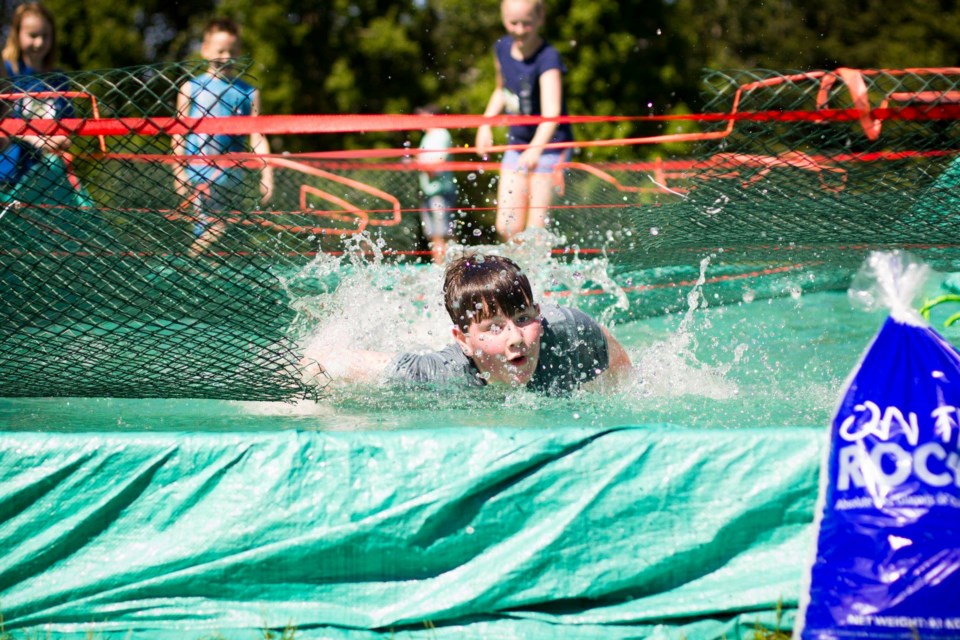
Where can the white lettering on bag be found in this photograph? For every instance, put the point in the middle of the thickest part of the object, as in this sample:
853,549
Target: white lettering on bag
879,424
856,464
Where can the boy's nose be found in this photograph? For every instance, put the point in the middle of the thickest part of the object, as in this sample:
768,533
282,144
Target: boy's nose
514,335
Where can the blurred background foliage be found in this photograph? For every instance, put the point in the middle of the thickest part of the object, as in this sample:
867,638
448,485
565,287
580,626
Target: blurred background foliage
625,57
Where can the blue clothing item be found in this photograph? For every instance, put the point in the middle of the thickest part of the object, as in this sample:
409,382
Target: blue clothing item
15,160
17,157
28,80
547,163
216,96
521,88
573,350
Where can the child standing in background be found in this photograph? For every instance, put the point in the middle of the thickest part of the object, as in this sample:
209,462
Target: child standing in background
438,188
214,186
529,82
31,49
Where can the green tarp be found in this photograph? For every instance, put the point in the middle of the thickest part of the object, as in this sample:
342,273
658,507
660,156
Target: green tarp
644,532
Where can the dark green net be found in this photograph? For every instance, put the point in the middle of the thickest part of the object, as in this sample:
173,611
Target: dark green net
103,296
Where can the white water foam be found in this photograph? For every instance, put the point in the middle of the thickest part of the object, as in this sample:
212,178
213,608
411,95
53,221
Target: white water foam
375,306
670,368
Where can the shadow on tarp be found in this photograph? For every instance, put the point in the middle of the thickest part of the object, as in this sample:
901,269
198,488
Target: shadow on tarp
640,532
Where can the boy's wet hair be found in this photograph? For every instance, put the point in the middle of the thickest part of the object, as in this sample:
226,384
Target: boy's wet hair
477,287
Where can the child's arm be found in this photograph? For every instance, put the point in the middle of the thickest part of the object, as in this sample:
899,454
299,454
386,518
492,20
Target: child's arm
47,143
350,365
494,107
619,367
49,108
261,146
180,181
551,98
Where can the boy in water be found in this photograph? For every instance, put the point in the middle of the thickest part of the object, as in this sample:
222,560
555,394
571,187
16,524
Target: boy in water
216,186
503,337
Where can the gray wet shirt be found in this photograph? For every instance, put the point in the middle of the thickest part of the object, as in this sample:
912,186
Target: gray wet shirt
573,350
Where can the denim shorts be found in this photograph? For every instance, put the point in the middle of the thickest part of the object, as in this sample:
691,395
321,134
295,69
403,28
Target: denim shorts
215,200
549,159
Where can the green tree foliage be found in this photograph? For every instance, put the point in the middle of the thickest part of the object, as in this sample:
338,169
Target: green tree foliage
821,34
624,57
98,34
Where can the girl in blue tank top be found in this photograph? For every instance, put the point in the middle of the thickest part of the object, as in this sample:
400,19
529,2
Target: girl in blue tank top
529,82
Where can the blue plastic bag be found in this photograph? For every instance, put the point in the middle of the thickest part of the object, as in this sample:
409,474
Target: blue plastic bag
887,561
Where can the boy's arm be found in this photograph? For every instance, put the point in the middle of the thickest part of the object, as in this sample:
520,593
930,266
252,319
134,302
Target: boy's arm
180,181
494,107
261,146
619,368
352,365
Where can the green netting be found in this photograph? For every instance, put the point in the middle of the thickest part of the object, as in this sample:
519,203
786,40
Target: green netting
106,293
810,197
99,295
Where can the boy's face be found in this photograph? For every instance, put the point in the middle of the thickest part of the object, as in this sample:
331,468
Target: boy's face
219,47
522,19
505,348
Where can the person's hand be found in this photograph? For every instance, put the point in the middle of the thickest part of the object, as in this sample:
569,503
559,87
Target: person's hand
484,140
530,158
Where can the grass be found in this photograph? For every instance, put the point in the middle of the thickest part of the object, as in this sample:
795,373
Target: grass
760,633
289,633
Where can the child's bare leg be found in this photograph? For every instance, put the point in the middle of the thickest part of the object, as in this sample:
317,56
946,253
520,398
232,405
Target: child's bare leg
512,197
207,238
541,197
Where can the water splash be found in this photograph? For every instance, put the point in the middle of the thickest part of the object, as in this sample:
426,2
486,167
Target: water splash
670,368
565,279
749,363
358,302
